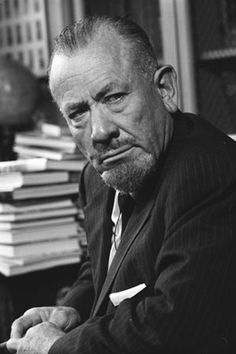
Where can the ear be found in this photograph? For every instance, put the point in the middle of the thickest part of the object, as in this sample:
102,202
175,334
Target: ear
165,80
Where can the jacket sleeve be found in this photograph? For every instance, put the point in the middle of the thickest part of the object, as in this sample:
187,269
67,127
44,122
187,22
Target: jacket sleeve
191,306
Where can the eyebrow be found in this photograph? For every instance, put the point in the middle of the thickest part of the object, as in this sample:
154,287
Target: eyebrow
84,104
97,97
107,88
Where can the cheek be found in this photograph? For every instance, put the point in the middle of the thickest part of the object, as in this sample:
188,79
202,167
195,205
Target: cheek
148,135
81,136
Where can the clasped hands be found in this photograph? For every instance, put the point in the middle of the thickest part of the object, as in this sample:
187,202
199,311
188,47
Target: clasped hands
38,328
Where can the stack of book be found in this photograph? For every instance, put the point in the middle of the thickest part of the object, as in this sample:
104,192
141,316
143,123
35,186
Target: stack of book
56,145
40,221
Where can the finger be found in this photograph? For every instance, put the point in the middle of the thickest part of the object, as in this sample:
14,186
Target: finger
12,345
20,325
73,321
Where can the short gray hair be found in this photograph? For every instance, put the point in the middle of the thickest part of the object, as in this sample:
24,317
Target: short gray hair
81,33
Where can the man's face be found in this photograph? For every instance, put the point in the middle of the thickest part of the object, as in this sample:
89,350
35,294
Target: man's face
115,114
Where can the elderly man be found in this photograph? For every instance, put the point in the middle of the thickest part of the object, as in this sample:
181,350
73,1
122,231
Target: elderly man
159,196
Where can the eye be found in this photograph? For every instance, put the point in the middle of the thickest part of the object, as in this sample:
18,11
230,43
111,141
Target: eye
78,113
114,98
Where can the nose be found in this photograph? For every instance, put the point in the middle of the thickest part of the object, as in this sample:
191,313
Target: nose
103,128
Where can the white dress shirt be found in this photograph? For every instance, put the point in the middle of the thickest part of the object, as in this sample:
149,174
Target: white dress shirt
116,218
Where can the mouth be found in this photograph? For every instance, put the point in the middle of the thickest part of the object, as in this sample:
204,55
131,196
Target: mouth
115,156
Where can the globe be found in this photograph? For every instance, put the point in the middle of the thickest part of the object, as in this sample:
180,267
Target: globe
19,93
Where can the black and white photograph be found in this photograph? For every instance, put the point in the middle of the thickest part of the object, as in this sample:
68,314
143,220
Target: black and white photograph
118,176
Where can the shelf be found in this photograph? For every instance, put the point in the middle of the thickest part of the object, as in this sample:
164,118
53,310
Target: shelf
217,54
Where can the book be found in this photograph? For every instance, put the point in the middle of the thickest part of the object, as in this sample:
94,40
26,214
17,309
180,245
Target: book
41,247
30,206
40,164
33,224
16,266
55,130
21,261
12,180
53,190
29,151
37,139
40,214
39,233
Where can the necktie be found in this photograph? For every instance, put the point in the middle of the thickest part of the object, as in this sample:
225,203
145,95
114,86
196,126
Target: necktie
126,205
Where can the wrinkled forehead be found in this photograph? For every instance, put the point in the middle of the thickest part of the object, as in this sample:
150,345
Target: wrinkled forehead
106,54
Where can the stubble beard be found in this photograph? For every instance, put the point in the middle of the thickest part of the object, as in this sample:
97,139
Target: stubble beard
128,177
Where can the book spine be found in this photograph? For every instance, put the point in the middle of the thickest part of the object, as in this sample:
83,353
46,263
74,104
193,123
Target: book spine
28,165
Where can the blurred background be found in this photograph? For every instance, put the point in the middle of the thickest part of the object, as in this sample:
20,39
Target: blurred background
197,37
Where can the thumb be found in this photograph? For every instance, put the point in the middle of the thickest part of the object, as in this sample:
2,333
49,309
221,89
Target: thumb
65,318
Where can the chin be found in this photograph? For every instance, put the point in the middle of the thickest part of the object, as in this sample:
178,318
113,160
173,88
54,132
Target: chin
128,177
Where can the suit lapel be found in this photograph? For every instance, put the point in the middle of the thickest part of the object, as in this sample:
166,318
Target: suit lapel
131,232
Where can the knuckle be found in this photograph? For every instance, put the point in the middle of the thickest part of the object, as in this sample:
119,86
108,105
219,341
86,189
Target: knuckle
31,311
17,322
59,309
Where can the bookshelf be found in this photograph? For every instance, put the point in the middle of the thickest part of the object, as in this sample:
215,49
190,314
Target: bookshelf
214,38
219,54
23,33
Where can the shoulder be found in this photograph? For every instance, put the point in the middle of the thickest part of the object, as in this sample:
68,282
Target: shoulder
196,138
192,127
199,157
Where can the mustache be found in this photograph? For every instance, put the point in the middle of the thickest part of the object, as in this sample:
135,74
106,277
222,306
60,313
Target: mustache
101,149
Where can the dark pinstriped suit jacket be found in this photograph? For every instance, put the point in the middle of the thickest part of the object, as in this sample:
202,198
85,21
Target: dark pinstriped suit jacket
180,241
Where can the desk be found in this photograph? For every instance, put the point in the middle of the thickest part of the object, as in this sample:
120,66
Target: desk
18,293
